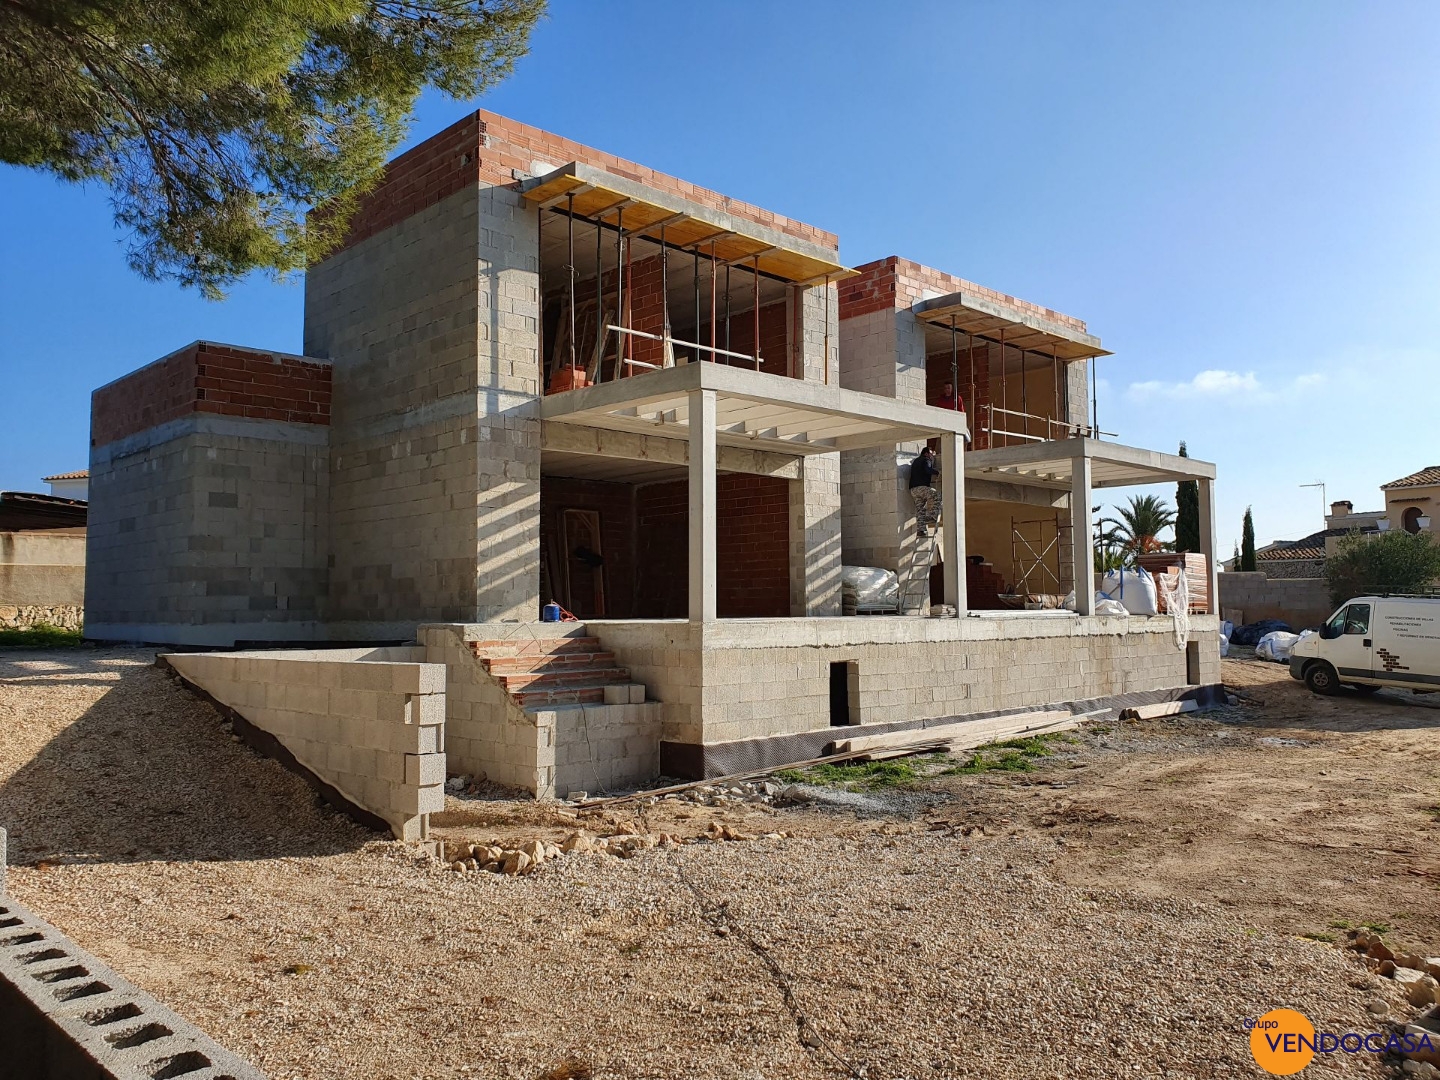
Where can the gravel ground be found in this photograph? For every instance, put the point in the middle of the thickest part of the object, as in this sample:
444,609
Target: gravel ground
857,947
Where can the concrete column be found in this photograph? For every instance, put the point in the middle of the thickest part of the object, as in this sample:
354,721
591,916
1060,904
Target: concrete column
1207,542
702,506
1082,537
815,537
952,520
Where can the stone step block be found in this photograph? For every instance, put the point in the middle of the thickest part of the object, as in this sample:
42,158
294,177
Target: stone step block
534,663
588,677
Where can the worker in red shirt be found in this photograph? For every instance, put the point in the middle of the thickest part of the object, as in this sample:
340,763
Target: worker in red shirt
948,398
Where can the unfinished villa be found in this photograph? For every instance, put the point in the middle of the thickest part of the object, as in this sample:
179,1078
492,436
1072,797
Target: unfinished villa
541,382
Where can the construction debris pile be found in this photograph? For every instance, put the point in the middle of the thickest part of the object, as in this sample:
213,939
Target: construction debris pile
1417,976
529,856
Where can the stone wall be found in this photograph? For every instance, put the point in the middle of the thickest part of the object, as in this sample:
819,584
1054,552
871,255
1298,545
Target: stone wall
369,723
24,616
1247,597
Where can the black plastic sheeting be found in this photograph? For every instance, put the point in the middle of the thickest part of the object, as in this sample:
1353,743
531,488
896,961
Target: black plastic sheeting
1251,633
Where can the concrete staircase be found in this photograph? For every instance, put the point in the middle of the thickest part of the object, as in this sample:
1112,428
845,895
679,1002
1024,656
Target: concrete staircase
549,673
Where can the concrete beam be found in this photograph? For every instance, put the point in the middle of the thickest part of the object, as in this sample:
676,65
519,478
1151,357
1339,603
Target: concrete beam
632,446
1082,539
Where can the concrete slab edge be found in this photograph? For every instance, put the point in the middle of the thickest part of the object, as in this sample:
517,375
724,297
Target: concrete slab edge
64,1015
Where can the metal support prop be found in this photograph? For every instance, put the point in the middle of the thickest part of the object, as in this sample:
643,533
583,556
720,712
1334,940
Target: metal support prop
714,284
1094,402
696,334
954,364
665,351
629,283
600,319
620,319
825,350
1024,393
755,303
1059,405
1004,396
727,307
570,270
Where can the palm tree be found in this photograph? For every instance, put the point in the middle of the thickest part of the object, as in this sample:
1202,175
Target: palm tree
1137,530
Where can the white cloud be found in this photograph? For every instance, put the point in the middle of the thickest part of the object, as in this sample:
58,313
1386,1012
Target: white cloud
1211,383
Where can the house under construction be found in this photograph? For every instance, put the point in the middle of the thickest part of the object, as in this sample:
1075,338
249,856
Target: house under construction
534,372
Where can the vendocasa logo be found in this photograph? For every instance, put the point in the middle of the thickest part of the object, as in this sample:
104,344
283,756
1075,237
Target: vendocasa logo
1284,1041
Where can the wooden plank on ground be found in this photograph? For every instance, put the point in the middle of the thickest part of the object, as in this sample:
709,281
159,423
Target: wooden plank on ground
1160,708
986,730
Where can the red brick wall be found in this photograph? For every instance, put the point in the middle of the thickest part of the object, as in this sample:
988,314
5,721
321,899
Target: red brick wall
752,548
662,538
486,148
615,504
894,282
213,378
774,337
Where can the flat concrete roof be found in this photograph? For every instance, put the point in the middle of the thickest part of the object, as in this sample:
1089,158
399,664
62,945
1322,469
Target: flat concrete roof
979,316
1051,464
753,410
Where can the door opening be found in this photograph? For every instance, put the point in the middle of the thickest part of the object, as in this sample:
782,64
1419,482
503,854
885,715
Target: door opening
843,674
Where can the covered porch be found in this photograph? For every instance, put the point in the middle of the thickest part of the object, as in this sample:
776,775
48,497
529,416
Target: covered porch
696,421
1076,467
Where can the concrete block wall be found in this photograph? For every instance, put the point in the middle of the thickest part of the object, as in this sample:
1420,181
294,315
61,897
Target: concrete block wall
815,537
64,1015
666,657
548,752
765,679
486,733
1301,602
397,315
207,530
368,722
207,518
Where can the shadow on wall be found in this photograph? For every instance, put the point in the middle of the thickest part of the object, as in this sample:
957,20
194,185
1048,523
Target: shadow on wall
147,773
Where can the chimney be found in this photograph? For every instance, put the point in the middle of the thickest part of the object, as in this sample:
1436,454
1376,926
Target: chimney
1342,508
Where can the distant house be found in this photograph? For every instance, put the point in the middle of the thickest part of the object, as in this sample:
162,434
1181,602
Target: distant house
70,485
1411,501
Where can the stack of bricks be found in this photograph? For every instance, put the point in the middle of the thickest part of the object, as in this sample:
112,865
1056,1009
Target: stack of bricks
368,722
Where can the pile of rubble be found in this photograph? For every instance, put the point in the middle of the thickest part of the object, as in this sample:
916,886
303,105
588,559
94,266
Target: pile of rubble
526,858
753,793
1417,976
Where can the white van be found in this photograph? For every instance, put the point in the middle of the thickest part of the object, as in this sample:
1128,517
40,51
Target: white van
1373,641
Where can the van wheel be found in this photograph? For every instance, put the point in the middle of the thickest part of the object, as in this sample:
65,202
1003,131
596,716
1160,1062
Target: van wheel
1364,688
1320,677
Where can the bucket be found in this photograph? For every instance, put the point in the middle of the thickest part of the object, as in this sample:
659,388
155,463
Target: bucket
550,612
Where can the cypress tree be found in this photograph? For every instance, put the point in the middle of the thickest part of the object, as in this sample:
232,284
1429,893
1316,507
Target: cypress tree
1247,542
1187,512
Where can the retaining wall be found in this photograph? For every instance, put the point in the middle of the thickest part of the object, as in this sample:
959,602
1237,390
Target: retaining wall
1247,597
44,569
369,723
24,616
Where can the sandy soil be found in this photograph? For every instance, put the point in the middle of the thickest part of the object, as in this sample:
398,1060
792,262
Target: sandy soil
1124,908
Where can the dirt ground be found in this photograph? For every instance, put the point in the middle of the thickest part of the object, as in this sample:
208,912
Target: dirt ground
1118,911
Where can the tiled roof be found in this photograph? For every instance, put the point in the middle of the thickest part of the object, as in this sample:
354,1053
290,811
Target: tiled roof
1279,554
83,474
1425,477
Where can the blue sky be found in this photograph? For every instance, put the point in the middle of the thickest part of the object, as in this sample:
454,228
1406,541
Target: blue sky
1240,199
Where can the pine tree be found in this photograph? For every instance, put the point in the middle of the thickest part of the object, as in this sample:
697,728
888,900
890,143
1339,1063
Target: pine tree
1187,512
218,127
1247,542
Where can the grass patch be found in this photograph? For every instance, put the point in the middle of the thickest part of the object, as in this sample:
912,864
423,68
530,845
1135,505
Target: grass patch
869,775
1012,755
1328,939
1340,924
41,636
1377,927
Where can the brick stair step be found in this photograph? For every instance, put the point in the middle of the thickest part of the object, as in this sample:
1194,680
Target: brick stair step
541,647
594,677
545,662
